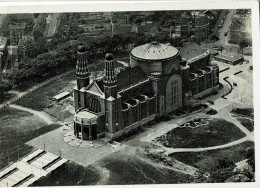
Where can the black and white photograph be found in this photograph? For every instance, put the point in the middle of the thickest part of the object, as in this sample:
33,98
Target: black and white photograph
124,96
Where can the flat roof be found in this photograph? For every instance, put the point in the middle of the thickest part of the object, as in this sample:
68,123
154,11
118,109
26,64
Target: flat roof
61,95
229,58
84,114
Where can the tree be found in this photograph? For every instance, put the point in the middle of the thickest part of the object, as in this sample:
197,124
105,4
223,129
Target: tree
250,155
132,18
4,87
37,34
138,20
242,44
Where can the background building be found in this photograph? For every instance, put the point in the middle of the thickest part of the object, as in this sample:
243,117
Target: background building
3,52
201,26
27,48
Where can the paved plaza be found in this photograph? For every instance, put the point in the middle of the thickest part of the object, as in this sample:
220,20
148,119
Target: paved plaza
29,169
81,152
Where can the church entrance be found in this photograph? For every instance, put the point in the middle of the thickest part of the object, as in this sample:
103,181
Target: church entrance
94,132
86,133
78,131
90,132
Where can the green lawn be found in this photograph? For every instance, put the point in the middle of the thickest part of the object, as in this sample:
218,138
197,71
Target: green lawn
69,174
125,171
217,132
42,97
209,160
18,127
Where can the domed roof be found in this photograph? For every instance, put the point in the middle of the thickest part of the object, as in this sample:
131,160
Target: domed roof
81,48
109,57
154,51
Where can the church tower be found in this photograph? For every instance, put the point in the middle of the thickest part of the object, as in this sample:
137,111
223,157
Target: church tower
110,78
82,68
110,89
82,78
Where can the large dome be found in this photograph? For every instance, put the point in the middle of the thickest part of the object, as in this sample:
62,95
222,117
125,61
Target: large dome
154,51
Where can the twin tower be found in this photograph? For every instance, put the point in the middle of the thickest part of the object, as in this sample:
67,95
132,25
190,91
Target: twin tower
83,73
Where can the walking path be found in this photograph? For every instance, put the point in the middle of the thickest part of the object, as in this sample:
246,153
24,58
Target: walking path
42,115
175,150
29,169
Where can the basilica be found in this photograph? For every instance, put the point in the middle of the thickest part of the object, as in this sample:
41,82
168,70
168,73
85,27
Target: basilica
160,79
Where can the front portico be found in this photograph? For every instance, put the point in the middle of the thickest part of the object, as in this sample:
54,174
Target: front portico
85,125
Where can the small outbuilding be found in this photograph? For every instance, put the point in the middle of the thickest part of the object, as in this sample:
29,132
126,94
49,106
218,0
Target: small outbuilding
233,60
61,96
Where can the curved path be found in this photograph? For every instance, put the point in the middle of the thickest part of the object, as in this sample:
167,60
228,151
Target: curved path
175,150
42,115
228,117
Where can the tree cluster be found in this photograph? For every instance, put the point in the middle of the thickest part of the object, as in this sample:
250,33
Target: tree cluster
60,54
162,17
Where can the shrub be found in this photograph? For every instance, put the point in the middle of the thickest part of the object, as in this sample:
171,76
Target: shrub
212,112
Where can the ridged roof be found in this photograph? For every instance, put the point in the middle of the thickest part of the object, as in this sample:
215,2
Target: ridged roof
192,50
154,51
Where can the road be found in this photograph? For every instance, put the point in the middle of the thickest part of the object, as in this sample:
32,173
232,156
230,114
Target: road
224,39
2,16
52,24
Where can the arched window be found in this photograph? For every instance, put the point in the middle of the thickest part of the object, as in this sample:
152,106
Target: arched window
94,105
175,92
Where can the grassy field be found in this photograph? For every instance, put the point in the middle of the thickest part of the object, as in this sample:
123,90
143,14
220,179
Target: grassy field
209,160
124,171
64,110
18,127
69,174
217,132
42,97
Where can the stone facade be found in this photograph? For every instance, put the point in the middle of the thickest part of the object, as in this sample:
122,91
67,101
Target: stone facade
160,80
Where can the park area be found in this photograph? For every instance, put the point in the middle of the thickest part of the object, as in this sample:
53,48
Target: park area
213,161
18,127
40,98
201,132
69,173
